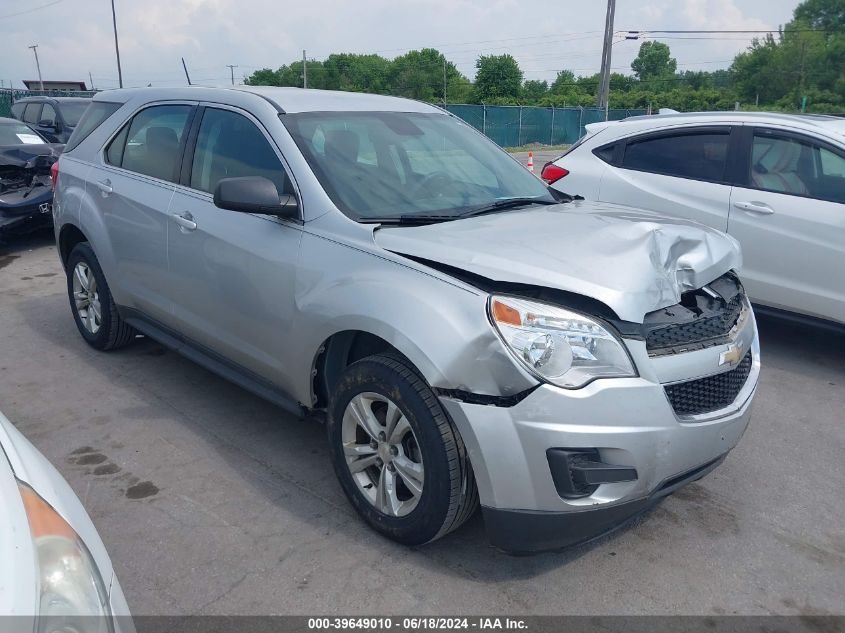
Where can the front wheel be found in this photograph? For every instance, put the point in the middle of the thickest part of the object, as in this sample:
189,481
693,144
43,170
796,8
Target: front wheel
399,460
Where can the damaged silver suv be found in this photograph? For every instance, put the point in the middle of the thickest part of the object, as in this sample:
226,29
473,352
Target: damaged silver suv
468,335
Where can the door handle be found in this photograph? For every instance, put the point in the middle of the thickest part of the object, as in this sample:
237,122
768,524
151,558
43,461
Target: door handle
755,207
105,186
186,221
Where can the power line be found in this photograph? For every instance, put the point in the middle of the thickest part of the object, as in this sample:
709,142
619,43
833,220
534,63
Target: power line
33,9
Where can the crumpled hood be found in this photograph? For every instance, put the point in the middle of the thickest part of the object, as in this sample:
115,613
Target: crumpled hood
25,155
633,261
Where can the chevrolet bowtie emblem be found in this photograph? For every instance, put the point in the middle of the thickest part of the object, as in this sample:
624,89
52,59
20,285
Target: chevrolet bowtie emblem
731,356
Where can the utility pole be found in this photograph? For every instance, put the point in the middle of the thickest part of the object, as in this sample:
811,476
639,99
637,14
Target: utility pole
116,47
304,70
34,48
604,88
231,68
444,82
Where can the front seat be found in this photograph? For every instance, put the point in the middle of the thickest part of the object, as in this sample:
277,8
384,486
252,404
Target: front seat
776,168
161,146
342,146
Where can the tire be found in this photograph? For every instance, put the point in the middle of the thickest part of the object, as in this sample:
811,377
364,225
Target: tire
108,331
448,494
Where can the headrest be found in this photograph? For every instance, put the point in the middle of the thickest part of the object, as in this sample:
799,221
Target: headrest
342,145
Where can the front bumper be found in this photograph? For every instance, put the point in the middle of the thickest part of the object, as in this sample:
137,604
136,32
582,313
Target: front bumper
627,422
24,218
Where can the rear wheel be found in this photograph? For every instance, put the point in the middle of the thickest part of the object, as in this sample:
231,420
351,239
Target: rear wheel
399,460
93,308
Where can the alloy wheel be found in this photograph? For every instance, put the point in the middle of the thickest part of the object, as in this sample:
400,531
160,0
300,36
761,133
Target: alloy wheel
86,297
382,454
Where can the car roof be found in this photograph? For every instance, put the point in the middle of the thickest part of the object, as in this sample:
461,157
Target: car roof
825,124
288,100
49,98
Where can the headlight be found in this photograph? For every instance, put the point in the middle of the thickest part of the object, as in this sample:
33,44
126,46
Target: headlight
561,347
72,595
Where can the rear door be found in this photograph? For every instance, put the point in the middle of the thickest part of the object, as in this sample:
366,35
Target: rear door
683,172
789,216
133,187
232,275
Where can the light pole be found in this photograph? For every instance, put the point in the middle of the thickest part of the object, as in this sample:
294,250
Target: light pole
116,47
34,48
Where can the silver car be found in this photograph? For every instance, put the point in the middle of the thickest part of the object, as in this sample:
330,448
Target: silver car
467,334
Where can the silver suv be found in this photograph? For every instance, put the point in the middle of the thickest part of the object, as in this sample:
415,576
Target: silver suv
467,334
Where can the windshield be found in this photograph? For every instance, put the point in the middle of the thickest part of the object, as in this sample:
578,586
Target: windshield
72,111
19,134
392,164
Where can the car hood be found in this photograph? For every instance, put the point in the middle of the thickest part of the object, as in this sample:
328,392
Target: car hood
633,261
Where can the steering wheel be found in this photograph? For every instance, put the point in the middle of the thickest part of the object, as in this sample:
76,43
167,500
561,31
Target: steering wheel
435,180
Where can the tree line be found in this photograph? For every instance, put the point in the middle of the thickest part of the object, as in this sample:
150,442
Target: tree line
802,66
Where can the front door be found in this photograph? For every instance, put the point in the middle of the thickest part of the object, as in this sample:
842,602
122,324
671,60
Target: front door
232,274
790,219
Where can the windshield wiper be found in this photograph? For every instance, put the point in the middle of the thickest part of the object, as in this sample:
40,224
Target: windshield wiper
409,219
417,219
501,205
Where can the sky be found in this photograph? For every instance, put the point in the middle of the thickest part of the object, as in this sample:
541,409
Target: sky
75,37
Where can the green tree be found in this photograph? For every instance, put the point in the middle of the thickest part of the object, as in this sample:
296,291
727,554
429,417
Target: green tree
654,61
564,82
822,14
419,75
534,90
497,78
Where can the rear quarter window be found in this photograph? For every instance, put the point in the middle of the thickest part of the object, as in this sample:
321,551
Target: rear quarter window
95,115
698,155
17,110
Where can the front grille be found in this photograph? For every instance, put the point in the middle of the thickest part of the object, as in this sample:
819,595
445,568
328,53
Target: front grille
704,318
709,394
712,327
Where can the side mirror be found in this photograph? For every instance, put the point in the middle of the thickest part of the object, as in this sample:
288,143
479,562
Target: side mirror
254,194
48,123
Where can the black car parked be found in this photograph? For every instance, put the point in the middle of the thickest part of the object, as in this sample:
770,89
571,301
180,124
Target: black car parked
53,117
26,192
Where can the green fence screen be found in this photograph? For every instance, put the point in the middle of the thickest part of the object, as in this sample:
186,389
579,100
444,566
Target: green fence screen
513,126
508,126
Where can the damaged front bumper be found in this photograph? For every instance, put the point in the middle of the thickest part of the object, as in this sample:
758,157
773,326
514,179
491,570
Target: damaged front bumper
561,466
19,215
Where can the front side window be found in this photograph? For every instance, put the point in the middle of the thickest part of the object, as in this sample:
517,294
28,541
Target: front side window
796,166
32,112
390,164
149,143
229,145
48,115
700,156
72,111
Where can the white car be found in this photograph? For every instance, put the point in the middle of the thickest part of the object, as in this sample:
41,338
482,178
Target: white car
55,573
775,182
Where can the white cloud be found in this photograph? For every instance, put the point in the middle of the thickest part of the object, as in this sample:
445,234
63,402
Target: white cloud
75,36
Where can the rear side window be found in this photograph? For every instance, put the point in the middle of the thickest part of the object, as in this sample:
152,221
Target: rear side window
94,116
228,146
149,143
606,153
17,111
700,156
32,112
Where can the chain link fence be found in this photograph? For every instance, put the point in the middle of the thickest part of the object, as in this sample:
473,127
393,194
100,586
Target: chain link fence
508,126
515,126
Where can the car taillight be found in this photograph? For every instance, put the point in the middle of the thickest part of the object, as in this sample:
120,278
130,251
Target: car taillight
552,173
54,174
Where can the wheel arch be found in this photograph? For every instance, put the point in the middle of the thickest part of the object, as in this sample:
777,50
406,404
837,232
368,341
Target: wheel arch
69,236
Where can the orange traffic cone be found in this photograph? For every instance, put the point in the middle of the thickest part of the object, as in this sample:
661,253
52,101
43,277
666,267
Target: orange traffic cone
531,162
